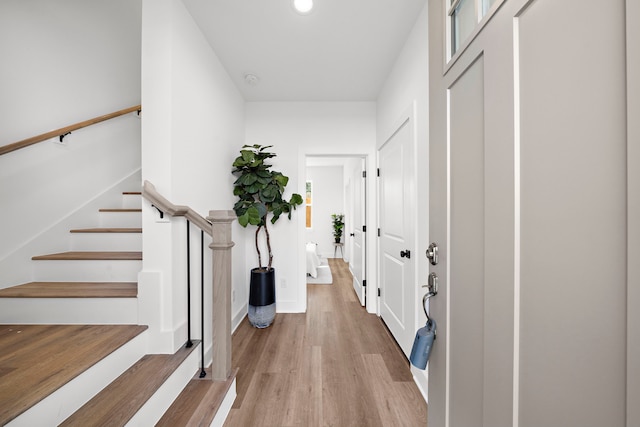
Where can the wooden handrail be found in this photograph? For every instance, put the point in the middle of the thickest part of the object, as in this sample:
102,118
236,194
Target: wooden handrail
218,226
150,193
62,131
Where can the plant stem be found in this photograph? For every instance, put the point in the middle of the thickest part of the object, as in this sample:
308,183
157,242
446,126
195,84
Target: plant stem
266,231
258,246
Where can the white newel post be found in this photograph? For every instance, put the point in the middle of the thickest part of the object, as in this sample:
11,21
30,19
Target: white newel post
221,331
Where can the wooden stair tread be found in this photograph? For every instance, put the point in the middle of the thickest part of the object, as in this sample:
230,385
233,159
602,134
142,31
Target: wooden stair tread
198,403
116,404
91,255
107,230
72,290
120,210
36,360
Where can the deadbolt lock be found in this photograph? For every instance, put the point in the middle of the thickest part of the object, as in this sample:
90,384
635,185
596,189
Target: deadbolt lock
432,253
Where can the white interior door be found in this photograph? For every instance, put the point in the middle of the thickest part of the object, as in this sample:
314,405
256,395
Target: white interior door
357,263
530,205
397,241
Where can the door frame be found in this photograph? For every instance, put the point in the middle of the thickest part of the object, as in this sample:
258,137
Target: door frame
369,214
361,176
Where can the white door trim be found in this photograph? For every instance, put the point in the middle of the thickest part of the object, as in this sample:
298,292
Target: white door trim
633,212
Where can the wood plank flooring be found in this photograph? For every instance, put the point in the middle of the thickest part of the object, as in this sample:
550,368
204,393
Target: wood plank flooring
116,404
72,290
198,403
335,365
91,256
36,360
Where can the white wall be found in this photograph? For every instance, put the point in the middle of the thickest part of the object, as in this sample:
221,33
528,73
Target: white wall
297,130
64,62
327,186
408,86
193,122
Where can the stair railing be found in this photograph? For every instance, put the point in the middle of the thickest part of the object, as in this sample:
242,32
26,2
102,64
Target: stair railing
62,132
218,226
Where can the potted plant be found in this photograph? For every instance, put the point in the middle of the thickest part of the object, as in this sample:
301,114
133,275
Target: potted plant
260,196
338,225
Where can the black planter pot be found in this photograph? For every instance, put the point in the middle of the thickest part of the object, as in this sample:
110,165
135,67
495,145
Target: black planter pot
262,297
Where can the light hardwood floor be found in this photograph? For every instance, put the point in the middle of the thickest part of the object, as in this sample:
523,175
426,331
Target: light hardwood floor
335,365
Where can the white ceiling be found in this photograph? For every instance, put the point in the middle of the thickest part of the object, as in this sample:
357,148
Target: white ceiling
342,51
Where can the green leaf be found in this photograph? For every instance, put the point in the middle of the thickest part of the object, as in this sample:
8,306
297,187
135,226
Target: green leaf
281,179
238,163
253,215
254,188
248,156
243,220
269,193
248,179
262,209
296,199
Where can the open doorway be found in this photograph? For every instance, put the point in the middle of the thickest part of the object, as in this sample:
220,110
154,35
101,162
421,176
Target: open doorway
336,185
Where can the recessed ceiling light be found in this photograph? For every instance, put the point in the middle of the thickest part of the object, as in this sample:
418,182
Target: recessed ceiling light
303,7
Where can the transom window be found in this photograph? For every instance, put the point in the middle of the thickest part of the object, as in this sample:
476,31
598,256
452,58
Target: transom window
463,17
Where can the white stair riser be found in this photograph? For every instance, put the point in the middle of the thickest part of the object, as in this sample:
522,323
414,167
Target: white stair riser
106,242
72,311
225,406
158,404
120,219
69,398
131,201
87,271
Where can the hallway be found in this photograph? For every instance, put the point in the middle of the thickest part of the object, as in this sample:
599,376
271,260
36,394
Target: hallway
335,365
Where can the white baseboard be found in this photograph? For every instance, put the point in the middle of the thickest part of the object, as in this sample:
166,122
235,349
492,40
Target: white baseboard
421,378
238,318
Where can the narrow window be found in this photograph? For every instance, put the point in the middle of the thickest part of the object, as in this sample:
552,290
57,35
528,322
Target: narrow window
308,203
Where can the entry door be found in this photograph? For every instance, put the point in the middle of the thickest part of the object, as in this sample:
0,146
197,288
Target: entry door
530,191
357,264
397,254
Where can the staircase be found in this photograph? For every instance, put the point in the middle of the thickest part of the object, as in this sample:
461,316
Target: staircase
92,283
71,351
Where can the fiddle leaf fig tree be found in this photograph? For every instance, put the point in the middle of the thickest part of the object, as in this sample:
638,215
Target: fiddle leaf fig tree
260,193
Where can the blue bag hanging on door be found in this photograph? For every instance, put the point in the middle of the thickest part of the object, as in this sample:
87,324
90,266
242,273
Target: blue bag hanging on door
422,345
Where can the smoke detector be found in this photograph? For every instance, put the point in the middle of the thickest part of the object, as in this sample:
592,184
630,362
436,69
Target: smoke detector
251,79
